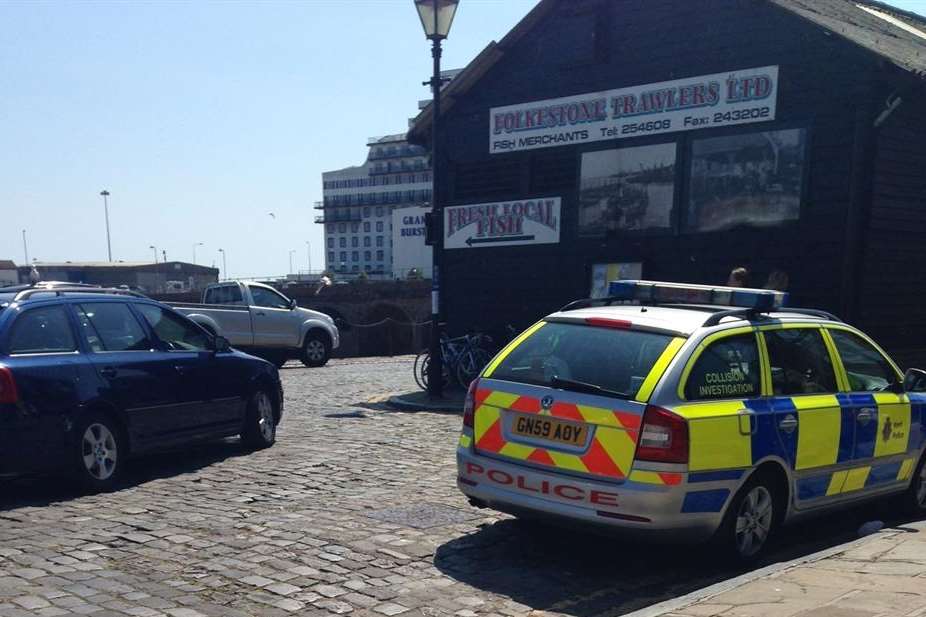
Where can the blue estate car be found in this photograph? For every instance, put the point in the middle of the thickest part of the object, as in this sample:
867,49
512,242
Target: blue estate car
91,376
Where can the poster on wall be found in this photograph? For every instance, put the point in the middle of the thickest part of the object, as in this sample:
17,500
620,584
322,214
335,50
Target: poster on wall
602,274
504,223
705,101
754,178
627,189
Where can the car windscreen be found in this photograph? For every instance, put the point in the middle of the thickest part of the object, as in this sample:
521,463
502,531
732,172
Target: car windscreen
615,360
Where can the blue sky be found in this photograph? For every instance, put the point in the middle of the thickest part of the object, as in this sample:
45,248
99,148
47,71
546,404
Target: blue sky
202,117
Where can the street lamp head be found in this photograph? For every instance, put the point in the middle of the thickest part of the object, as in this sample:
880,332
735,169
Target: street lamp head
104,193
436,16
221,250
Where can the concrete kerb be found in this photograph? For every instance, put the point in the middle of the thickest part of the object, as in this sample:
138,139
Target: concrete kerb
419,401
705,593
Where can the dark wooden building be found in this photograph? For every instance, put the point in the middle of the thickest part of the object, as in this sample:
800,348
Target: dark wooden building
678,139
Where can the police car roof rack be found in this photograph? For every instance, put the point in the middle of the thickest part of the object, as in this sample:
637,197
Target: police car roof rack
751,314
587,302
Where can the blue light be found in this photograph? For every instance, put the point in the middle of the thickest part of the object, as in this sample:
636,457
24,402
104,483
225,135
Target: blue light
680,293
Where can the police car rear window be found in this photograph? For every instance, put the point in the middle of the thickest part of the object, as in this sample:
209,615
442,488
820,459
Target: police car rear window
617,361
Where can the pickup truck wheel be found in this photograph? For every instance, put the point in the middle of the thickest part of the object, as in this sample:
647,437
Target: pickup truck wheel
316,350
260,423
99,453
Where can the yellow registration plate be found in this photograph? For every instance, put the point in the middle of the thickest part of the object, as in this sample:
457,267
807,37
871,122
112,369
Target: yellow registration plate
550,429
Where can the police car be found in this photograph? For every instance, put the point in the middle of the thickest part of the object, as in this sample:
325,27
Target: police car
693,412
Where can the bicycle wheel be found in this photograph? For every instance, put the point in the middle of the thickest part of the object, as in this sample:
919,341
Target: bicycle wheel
470,364
420,369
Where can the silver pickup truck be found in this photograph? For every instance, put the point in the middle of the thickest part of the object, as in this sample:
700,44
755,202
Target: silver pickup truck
258,319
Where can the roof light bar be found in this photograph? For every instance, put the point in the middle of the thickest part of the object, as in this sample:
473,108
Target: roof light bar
658,291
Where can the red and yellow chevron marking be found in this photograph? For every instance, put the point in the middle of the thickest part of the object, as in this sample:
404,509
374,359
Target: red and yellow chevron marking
610,453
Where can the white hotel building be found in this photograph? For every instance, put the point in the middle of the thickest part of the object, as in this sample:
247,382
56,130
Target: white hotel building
358,204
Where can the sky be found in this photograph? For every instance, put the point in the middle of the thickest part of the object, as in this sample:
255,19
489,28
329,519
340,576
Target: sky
201,118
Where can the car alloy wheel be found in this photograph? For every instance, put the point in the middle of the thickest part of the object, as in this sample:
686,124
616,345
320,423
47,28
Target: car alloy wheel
99,452
754,521
265,421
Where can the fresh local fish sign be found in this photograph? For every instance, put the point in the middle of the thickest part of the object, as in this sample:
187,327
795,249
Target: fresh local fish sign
722,99
504,223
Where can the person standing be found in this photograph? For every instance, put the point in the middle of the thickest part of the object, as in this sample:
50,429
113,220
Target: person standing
738,277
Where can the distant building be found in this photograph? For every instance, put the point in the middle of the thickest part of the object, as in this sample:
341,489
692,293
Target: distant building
172,276
358,204
8,273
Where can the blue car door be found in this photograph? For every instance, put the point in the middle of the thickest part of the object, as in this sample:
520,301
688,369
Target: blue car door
138,378
210,378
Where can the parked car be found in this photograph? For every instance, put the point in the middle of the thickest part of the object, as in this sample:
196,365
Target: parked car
89,377
259,319
707,411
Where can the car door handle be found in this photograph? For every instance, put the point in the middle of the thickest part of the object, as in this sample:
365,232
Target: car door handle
788,424
260,313
183,370
864,415
108,372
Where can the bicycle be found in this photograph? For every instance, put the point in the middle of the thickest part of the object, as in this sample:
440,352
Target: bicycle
462,358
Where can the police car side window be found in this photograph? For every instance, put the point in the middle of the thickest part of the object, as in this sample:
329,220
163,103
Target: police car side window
799,361
727,368
866,368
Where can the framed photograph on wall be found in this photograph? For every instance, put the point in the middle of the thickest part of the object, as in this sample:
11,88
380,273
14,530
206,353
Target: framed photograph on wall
602,274
747,179
627,189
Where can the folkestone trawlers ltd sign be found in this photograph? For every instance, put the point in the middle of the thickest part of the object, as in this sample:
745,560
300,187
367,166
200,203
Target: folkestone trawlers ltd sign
504,223
722,99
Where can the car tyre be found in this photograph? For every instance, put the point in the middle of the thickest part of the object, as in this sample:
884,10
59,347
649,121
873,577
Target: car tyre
316,350
260,423
914,499
99,453
751,521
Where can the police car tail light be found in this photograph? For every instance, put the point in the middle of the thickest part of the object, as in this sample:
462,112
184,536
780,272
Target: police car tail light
8,392
469,404
663,438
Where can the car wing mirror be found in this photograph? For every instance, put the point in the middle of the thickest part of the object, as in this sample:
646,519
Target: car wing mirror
914,380
292,304
222,344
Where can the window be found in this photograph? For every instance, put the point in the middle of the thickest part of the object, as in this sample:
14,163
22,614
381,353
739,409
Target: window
379,255
330,257
799,361
176,332
342,242
615,360
111,326
330,243
366,241
750,179
379,240
366,256
868,370
354,268
379,226
342,227
354,227
226,294
366,226
379,210
627,189
268,298
355,256
728,368
42,330
355,242
343,256
366,212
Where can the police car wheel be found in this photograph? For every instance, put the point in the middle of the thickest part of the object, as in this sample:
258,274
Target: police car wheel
750,521
916,495
260,424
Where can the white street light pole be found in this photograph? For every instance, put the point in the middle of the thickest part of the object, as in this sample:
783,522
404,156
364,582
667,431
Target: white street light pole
291,253
109,246
224,265
194,251
25,247
308,254
155,249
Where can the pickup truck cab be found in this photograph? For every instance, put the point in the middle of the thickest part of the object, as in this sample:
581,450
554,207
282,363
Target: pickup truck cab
260,320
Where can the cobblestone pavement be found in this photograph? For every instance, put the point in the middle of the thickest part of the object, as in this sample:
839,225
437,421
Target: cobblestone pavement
354,511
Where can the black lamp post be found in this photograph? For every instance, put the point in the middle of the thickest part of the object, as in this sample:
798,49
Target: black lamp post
436,18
